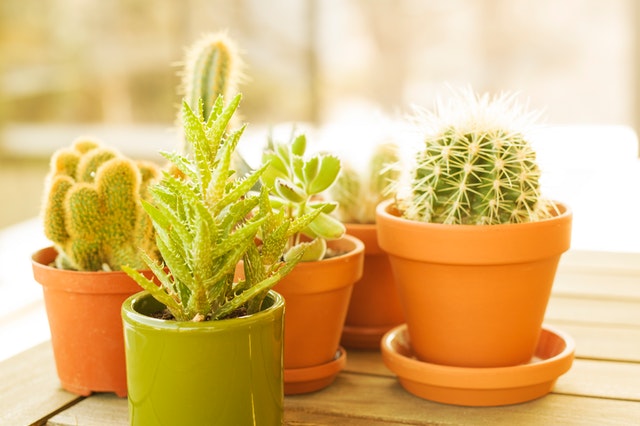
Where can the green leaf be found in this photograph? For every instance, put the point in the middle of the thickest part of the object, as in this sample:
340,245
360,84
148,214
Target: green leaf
326,226
289,191
299,145
327,174
311,169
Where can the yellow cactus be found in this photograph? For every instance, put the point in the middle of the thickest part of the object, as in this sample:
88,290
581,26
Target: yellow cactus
92,209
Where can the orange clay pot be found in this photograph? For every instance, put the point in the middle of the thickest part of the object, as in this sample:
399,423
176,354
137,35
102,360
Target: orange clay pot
375,305
317,297
474,295
83,309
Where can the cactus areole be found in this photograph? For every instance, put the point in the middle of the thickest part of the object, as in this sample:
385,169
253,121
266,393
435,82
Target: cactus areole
476,166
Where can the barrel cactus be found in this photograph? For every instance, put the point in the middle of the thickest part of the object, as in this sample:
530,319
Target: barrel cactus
476,166
92,211
359,191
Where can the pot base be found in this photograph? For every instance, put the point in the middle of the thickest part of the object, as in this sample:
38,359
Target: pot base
311,379
368,338
479,386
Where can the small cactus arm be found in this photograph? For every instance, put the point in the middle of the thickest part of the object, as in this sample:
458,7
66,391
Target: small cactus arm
92,210
212,68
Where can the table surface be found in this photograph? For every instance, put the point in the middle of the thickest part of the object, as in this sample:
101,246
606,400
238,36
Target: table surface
596,299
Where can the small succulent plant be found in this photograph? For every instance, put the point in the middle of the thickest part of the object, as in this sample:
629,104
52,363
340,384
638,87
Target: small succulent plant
297,185
358,192
207,221
92,210
476,165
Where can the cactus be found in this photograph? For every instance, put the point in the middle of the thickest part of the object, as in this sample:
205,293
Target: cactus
476,166
92,210
212,68
207,221
358,192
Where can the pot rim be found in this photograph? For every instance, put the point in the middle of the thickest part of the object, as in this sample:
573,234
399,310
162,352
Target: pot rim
473,244
132,316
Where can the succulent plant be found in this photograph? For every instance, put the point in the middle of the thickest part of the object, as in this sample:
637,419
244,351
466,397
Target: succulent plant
358,192
207,221
476,165
92,210
296,185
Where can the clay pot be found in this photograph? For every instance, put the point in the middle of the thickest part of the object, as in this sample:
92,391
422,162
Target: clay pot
474,295
83,309
227,372
317,296
375,304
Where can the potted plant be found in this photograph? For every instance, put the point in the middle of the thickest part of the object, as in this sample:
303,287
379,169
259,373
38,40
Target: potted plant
375,307
318,290
205,345
473,244
92,214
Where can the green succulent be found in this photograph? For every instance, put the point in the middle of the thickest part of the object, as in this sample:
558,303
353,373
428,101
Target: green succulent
296,185
476,165
207,221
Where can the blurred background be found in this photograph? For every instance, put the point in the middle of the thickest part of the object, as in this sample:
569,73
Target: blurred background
71,67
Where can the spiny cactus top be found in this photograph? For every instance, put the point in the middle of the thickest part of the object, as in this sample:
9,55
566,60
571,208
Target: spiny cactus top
476,166
212,68
92,210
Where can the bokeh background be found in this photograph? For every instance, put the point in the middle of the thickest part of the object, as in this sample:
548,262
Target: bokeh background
69,67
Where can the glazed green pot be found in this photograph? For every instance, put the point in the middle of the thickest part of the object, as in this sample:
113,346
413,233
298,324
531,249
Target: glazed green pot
226,372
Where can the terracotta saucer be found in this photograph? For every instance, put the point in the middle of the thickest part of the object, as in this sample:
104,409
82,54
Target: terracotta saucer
311,379
479,386
363,337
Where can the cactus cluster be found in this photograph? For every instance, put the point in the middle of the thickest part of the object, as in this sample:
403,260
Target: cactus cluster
358,192
92,210
476,166
207,220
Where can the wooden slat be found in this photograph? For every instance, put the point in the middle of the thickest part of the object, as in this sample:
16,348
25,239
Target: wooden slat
594,311
379,399
98,410
30,388
600,379
357,399
603,342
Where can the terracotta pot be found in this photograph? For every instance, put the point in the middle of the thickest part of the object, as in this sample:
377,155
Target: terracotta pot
317,297
226,372
83,309
375,304
472,295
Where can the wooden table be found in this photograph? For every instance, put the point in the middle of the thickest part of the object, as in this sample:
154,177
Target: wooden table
596,299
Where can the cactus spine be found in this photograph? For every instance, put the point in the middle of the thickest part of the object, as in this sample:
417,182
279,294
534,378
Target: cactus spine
476,167
358,192
92,209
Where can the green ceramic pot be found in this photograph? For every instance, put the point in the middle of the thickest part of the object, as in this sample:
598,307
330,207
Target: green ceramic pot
226,372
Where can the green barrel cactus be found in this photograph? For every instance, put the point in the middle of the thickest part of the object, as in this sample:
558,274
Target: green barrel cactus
476,166
92,211
358,192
